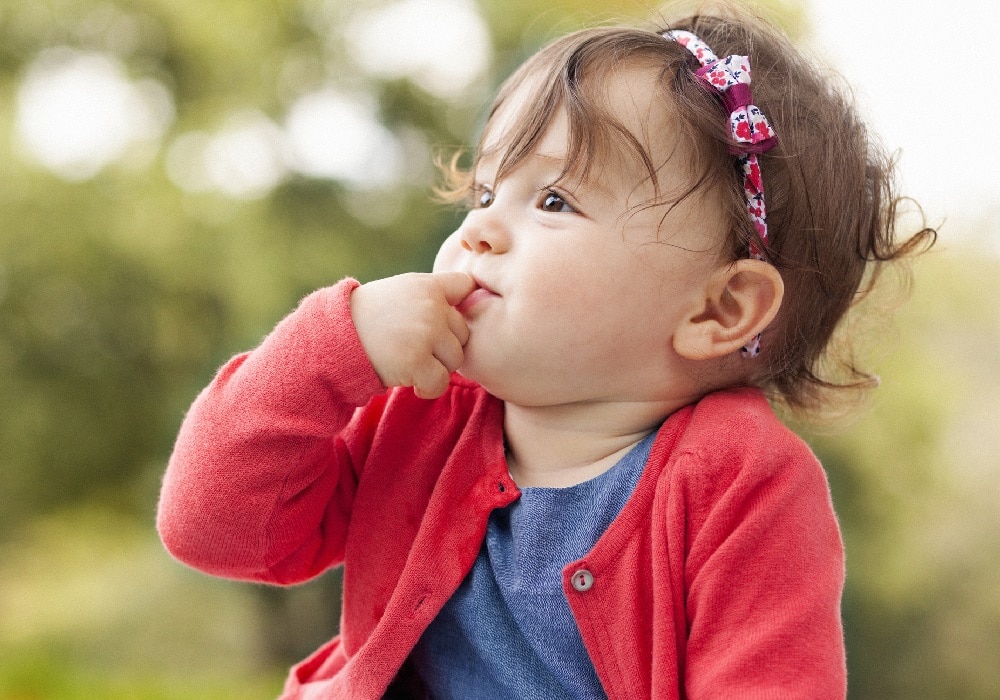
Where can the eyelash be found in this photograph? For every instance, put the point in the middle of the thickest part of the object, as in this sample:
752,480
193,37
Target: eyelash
550,194
479,194
482,197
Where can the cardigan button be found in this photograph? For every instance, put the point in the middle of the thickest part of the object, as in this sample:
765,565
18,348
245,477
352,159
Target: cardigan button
582,580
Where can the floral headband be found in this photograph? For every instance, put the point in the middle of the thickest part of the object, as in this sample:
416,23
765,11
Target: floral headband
752,134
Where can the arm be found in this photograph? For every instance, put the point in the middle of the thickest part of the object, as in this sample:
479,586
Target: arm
259,473
764,576
261,482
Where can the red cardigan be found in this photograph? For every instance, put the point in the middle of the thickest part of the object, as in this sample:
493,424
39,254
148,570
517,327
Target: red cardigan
720,578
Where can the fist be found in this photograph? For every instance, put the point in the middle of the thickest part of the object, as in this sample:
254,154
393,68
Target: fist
410,329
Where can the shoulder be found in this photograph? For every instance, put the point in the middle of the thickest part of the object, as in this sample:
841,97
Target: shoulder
738,419
739,476
733,439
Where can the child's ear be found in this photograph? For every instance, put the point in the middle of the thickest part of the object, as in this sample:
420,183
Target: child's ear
741,299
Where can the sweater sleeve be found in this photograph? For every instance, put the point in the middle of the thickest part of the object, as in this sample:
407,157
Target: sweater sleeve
764,569
263,473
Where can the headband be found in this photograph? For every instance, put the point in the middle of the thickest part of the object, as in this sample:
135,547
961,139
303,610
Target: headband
751,132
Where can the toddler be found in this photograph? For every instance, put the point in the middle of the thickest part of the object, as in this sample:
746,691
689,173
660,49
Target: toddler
550,467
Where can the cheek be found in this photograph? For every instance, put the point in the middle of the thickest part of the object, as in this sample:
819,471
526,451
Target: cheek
568,295
448,254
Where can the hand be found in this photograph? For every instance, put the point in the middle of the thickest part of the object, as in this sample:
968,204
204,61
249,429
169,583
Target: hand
410,329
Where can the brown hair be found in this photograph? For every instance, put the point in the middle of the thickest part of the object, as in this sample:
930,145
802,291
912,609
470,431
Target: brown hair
829,186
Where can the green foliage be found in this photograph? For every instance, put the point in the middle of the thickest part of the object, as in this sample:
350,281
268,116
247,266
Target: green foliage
915,484
43,677
92,607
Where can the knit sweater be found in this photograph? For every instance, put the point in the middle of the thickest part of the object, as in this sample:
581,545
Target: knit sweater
721,577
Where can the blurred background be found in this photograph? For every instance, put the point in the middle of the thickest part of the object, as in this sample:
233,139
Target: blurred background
176,174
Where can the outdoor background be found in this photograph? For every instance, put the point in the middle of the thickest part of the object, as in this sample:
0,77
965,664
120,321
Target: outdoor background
176,174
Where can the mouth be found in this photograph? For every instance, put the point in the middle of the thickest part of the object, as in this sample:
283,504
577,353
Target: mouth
482,285
477,296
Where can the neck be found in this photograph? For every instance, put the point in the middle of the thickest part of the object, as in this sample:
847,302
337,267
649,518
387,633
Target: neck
559,446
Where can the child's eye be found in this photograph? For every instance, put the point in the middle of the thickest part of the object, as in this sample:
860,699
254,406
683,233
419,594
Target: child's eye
484,197
555,203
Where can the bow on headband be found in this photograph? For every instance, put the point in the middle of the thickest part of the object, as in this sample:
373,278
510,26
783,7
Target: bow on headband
730,77
752,134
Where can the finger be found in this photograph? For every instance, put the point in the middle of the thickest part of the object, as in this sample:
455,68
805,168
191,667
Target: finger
458,326
455,285
430,380
449,353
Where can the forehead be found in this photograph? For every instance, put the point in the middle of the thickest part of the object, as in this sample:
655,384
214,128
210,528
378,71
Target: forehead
617,119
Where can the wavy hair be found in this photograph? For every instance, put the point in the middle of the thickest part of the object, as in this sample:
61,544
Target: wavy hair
829,185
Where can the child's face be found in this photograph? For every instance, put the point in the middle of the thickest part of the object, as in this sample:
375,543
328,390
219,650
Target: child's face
580,291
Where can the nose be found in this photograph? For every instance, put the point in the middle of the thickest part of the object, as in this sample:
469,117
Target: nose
483,231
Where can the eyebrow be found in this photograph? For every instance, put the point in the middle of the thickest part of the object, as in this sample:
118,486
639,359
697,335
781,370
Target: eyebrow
591,183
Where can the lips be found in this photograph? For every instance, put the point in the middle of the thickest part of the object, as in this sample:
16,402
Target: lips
478,295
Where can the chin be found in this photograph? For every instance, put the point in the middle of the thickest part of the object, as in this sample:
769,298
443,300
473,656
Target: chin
473,376
483,379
